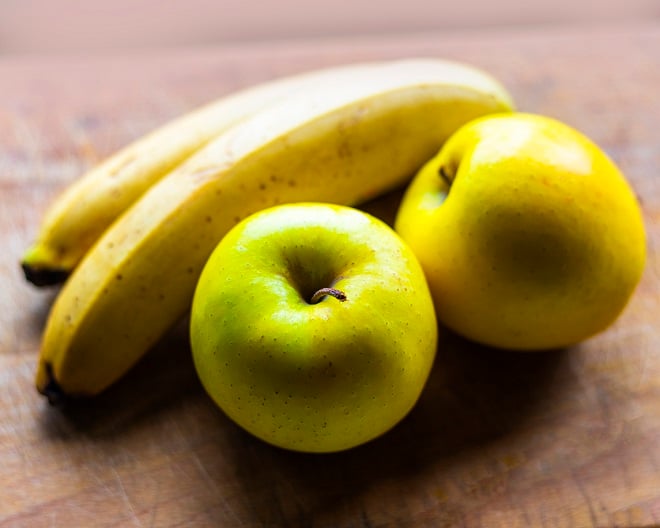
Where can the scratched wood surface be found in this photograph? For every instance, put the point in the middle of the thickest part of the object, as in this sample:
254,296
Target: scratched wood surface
569,438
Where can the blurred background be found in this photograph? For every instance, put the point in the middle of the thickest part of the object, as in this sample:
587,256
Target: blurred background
74,26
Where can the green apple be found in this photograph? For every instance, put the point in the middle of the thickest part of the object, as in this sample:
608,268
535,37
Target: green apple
312,327
529,235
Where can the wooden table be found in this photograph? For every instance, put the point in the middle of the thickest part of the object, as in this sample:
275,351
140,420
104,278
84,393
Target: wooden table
561,439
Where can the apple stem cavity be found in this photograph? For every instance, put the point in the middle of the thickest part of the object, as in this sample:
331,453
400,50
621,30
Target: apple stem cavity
333,292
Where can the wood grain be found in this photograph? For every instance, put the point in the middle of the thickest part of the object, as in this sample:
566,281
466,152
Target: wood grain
568,438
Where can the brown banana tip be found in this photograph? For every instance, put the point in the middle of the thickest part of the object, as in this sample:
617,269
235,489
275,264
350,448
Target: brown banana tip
51,390
42,276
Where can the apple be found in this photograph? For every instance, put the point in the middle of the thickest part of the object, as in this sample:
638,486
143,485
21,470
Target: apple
312,327
529,235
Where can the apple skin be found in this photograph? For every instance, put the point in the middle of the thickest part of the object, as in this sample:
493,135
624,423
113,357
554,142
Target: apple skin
311,377
529,235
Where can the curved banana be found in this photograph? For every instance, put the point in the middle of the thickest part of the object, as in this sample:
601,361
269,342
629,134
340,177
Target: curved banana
344,142
84,210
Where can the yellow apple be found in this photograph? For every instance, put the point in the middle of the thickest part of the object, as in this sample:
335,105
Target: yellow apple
312,327
529,235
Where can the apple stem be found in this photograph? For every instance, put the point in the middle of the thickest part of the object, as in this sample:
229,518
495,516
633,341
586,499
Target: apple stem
334,292
444,175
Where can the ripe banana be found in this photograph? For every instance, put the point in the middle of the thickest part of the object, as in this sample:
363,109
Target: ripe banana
83,212
344,142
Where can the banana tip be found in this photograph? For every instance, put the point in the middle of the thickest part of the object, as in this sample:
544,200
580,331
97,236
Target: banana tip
43,276
48,386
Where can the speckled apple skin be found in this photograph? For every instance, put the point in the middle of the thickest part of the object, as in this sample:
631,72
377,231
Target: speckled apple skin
313,377
529,235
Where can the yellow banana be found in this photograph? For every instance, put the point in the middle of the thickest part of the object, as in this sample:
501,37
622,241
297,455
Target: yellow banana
344,142
83,212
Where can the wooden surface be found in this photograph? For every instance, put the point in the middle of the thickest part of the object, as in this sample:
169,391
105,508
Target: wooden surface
569,438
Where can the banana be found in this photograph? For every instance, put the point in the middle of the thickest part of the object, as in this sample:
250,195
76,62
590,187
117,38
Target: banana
344,142
84,210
